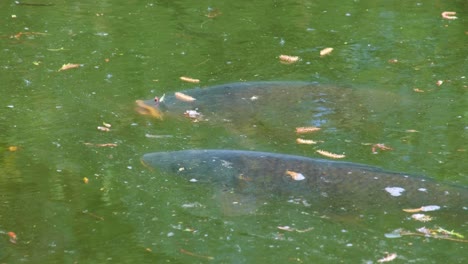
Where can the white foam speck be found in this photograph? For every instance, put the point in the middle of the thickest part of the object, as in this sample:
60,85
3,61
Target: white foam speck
394,191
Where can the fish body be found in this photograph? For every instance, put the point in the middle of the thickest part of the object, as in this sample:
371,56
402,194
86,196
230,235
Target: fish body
333,183
274,104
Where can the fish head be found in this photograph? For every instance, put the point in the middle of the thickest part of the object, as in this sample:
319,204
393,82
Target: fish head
151,108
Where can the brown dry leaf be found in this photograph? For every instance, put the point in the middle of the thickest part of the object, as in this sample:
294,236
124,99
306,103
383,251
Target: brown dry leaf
188,79
184,97
286,59
305,141
303,130
418,90
69,66
325,52
450,15
330,155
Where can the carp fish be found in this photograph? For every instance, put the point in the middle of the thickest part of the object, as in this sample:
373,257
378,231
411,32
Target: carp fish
338,184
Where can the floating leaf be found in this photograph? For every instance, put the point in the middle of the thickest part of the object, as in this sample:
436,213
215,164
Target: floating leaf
388,258
326,51
69,66
184,97
286,59
303,130
193,114
421,217
295,175
450,15
305,141
12,148
330,155
188,79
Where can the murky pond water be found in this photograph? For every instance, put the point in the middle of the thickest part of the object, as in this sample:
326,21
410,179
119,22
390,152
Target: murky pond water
398,76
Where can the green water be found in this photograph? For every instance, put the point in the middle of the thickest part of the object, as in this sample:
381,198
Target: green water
132,50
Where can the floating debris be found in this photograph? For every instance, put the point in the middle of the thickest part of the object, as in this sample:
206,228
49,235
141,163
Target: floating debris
213,12
439,82
330,155
184,97
101,144
427,208
303,130
85,180
12,148
394,191
193,114
103,128
389,257
421,217
450,15
188,79
158,136
183,251
295,175
69,66
438,233
379,146
325,52
286,59
291,229
305,141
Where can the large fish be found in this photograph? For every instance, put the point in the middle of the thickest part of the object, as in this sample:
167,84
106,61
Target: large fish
275,106
325,183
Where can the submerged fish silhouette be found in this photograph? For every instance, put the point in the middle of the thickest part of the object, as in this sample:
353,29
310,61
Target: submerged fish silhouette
328,183
276,105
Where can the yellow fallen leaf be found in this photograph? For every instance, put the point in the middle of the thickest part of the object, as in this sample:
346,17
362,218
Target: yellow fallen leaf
325,52
184,97
330,155
188,79
305,141
69,66
288,59
303,130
